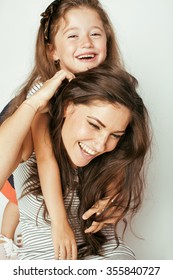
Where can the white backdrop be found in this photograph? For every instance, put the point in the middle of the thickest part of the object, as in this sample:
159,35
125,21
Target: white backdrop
145,33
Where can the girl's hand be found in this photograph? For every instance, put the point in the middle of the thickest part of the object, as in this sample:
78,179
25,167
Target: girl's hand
41,98
64,241
97,209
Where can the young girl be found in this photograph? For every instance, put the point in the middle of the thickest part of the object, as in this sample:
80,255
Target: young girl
73,37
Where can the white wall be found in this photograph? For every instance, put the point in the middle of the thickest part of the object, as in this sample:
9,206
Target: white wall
145,34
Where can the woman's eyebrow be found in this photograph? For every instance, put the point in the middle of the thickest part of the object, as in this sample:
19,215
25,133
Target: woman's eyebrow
103,125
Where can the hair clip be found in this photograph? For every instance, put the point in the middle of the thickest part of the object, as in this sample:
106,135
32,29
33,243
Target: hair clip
46,17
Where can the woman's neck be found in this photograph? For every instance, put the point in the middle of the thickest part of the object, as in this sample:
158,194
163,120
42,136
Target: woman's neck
75,172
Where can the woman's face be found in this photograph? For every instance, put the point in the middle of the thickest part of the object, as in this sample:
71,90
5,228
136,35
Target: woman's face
91,130
80,43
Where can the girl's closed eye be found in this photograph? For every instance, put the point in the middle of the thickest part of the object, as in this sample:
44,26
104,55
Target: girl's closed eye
72,36
95,34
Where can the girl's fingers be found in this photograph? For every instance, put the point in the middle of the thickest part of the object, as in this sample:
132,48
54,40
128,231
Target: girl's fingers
71,251
74,251
57,253
61,75
62,253
68,252
49,88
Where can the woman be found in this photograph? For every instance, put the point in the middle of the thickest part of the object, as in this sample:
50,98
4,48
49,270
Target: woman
100,138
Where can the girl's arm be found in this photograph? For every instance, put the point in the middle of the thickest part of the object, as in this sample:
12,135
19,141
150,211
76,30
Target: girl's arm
12,134
63,237
47,167
15,129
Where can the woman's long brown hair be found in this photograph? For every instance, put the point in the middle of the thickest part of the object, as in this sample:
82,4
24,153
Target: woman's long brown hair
117,174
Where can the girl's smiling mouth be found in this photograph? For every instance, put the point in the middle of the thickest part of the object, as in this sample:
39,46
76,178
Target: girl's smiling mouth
87,57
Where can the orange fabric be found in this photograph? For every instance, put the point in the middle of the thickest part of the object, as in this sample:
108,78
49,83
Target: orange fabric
9,192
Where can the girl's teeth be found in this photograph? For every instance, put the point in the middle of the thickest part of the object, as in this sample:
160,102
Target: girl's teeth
86,56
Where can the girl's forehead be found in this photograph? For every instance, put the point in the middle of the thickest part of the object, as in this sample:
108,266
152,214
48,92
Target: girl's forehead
78,12
75,19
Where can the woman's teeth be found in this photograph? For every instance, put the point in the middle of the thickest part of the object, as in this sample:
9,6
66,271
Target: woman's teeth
87,149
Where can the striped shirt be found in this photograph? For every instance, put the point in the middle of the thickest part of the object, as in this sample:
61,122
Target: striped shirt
36,233
36,86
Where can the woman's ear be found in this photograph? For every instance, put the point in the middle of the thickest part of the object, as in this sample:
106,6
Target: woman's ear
69,109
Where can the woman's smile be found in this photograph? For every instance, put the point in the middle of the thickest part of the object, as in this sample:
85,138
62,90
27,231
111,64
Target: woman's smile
87,150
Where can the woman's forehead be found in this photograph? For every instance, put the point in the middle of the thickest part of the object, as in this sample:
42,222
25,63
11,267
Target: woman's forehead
114,116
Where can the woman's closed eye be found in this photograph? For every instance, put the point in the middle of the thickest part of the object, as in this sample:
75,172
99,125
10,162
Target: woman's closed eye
114,135
117,136
94,125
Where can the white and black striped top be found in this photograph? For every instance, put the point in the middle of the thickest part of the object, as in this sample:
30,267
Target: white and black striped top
36,233
36,86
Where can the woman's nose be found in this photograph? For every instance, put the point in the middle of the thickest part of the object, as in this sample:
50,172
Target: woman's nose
101,143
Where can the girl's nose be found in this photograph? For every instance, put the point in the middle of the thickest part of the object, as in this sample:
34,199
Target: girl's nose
86,42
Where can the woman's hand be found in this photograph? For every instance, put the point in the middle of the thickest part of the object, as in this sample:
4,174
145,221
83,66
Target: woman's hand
97,209
64,241
40,99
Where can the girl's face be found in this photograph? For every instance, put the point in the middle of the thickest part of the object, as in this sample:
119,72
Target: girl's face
80,43
91,130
